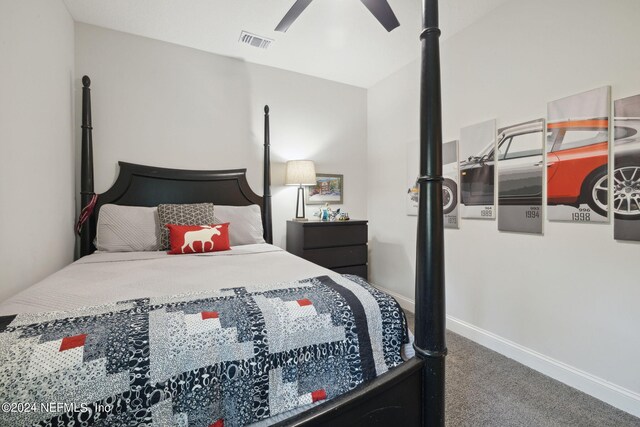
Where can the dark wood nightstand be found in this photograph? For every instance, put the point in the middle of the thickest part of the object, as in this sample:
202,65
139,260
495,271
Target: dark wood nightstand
338,245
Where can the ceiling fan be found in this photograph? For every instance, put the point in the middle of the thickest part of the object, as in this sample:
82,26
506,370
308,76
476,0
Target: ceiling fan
379,8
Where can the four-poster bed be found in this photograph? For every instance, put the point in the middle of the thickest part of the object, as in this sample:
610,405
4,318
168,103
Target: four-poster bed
408,393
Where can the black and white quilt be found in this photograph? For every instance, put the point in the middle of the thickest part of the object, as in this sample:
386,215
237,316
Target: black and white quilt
225,358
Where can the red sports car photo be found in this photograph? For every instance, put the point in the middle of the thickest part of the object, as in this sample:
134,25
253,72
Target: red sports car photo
577,166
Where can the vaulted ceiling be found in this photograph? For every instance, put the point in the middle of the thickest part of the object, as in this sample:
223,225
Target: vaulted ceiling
333,39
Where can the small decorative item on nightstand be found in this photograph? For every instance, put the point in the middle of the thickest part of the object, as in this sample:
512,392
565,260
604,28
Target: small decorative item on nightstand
325,213
338,245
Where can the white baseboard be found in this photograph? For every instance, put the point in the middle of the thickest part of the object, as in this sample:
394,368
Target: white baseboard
620,397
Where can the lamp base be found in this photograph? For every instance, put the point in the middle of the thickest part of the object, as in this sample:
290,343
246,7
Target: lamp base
299,219
300,203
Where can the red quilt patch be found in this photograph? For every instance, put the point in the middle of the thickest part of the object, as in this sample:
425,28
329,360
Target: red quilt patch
303,302
318,395
209,315
72,342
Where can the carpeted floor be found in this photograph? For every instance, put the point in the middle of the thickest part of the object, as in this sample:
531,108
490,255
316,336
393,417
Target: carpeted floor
484,388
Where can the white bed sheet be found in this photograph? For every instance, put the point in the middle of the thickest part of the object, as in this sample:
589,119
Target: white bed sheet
109,277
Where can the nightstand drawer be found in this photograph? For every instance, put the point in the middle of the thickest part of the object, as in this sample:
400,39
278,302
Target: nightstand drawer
337,257
358,270
335,235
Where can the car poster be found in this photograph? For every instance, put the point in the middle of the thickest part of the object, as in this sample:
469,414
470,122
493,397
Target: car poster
449,186
626,169
578,157
477,195
450,172
520,153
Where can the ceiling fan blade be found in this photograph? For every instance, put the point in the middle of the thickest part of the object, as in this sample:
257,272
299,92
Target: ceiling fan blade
383,13
292,15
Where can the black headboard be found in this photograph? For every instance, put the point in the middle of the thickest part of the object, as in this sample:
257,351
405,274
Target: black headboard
139,185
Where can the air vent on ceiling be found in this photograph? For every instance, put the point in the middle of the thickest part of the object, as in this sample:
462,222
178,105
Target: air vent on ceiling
254,40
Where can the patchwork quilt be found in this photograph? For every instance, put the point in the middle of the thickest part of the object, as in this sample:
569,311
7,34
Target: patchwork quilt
225,358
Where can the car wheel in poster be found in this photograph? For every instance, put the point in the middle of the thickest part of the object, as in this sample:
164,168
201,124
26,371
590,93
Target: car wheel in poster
596,190
626,189
449,196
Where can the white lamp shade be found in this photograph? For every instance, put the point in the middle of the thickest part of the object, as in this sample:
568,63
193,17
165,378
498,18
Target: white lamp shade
300,172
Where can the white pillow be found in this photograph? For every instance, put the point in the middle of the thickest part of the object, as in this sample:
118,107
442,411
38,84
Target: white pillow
245,223
128,229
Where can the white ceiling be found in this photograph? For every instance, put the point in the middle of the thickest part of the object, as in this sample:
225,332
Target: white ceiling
333,39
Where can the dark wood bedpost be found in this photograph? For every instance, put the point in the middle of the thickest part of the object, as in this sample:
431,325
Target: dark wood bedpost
266,194
430,290
86,165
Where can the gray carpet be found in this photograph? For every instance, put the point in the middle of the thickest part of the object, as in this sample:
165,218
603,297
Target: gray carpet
484,388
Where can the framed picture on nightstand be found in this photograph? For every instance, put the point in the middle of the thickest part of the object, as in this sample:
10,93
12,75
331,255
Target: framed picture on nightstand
328,189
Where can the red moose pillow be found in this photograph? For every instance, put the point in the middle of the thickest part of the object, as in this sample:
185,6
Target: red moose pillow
191,239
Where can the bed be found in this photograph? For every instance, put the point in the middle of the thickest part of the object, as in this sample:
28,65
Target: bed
127,314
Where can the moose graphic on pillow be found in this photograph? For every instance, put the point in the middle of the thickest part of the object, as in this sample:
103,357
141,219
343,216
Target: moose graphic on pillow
189,239
204,236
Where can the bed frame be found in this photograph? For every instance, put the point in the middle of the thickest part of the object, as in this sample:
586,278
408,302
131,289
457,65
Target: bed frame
138,185
409,395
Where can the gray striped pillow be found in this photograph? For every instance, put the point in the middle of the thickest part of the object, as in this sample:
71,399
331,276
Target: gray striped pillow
127,229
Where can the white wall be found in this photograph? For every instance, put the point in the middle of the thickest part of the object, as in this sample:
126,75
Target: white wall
567,302
161,104
36,139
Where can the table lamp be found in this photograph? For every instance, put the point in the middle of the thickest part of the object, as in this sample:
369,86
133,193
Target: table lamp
300,172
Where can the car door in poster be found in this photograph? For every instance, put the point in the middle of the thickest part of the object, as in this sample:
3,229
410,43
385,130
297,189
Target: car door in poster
578,157
520,151
626,169
477,172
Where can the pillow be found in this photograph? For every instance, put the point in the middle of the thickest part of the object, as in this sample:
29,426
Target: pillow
127,229
191,239
245,223
194,214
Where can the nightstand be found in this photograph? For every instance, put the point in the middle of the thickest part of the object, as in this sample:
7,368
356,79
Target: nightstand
338,245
